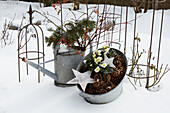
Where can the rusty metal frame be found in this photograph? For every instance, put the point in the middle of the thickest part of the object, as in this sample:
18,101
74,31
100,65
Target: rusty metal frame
26,51
148,77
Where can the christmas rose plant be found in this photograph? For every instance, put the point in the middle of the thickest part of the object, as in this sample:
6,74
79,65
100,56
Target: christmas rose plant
98,62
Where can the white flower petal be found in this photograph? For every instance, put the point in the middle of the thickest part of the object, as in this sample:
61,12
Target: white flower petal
97,69
104,65
84,61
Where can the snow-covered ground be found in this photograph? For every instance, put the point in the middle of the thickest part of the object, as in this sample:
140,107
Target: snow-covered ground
32,97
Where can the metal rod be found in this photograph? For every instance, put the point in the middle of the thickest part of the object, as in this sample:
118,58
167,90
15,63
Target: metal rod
133,51
113,20
105,22
42,47
126,29
147,1
101,26
61,15
38,51
98,8
120,20
91,46
19,76
150,48
160,38
26,48
105,38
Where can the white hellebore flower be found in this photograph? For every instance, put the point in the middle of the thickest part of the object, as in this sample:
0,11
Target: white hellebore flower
94,52
84,61
104,65
98,59
106,50
94,55
97,69
105,47
97,52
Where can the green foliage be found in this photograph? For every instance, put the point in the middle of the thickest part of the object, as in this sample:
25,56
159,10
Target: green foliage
55,37
106,70
79,28
76,32
48,2
91,64
111,53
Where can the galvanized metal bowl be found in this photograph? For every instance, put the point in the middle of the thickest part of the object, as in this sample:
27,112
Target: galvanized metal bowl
109,96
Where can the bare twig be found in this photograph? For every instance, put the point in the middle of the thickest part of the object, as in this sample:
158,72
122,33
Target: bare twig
132,83
5,39
160,77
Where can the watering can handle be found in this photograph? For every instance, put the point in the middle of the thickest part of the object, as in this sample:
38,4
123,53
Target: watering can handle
115,43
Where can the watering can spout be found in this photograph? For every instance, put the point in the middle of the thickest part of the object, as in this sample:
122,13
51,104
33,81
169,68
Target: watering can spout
38,67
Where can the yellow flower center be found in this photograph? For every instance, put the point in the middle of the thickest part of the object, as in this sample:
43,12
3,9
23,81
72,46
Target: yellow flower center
97,69
98,59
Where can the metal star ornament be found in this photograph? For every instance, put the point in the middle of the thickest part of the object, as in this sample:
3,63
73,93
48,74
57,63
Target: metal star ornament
81,78
108,60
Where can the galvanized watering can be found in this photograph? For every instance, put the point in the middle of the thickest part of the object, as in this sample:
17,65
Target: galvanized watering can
63,63
109,96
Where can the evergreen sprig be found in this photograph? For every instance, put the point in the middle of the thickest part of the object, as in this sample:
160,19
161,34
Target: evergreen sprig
55,37
75,32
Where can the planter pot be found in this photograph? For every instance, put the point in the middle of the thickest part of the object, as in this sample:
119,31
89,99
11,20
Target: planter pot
106,97
64,64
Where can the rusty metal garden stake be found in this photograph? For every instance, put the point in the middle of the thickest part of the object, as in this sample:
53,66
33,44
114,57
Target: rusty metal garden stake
146,3
26,51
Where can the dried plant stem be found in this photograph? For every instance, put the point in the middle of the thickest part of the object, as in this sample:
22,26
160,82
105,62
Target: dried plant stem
159,79
140,82
132,83
138,70
4,38
48,18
